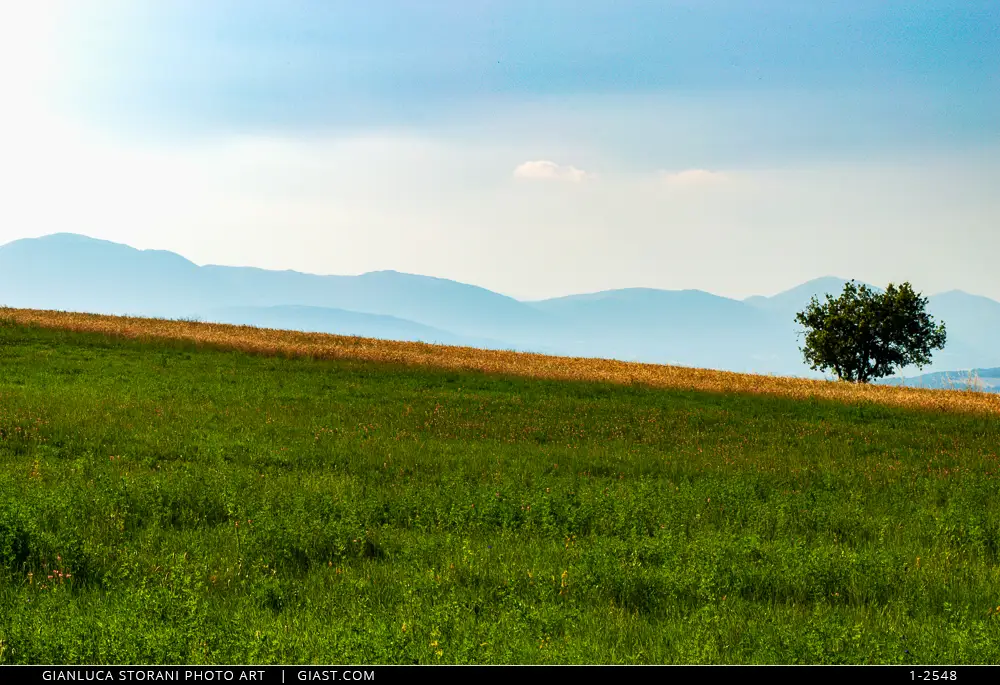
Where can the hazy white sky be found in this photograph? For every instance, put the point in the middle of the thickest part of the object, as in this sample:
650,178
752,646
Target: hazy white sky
534,161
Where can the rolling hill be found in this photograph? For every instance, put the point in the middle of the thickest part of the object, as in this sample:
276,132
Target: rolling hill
165,498
343,322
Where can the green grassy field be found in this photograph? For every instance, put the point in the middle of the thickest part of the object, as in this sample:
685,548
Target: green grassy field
161,503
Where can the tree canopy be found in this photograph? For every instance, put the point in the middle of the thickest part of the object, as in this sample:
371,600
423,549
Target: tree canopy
863,334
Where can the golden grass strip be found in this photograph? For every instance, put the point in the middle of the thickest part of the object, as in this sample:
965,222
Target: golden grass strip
326,346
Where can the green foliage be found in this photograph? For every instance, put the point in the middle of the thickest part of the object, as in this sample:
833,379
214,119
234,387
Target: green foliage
394,515
863,335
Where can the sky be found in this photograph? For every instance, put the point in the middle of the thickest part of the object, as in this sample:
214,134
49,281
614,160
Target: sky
537,148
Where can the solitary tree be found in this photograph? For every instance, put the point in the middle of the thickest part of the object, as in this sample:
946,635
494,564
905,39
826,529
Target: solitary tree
863,334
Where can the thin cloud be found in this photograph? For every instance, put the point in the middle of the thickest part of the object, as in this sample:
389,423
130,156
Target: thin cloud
694,177
544,169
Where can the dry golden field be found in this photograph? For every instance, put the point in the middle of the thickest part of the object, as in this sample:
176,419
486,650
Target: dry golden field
326,346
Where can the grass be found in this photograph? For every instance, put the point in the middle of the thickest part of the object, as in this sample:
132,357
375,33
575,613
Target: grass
971,381
164,499
324,346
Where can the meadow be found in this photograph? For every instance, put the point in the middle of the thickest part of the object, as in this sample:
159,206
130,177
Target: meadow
176,492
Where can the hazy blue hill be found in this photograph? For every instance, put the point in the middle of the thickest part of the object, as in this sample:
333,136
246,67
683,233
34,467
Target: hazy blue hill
989,379
789,302
661,325
649,307
683,326
73,272
968,315
972,323
472,310
463,309
756,301
783,354
343,322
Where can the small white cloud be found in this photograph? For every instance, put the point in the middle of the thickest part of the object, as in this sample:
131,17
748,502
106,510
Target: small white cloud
692,177
544,169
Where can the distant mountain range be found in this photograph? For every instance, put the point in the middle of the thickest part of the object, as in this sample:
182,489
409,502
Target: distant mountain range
982,379
687,327
343,322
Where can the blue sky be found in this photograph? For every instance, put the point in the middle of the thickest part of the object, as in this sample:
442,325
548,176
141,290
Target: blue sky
326,65
610,142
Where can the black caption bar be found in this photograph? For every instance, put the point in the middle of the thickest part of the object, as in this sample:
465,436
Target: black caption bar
842,675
